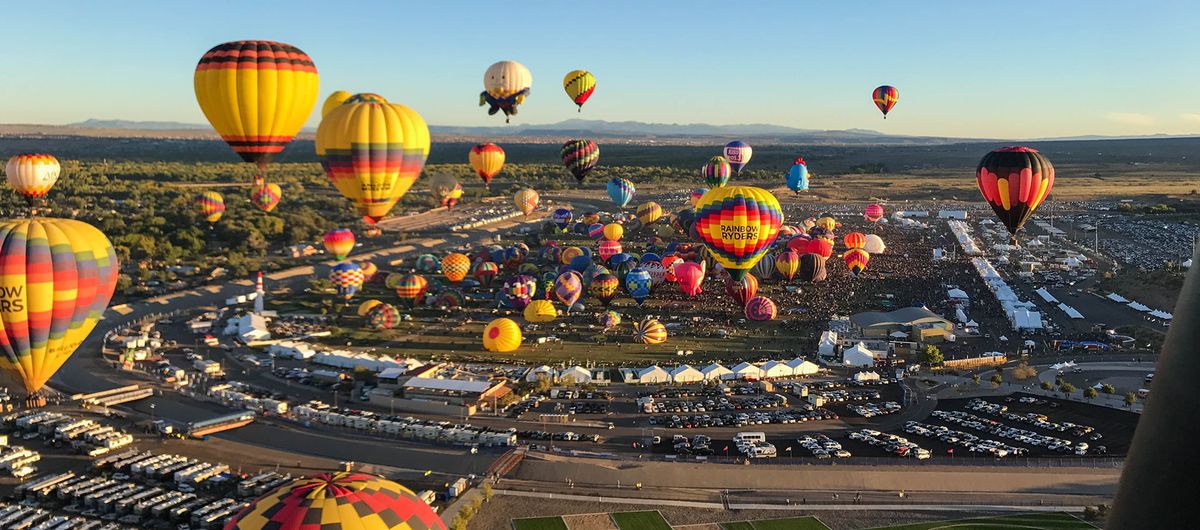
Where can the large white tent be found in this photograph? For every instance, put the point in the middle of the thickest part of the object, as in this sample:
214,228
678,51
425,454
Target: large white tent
686,374
859,355
716,371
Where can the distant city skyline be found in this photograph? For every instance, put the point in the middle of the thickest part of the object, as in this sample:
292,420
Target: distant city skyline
963,69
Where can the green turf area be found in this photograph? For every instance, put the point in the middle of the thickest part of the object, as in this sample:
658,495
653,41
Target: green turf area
640,521
539,523
791,523
1043,521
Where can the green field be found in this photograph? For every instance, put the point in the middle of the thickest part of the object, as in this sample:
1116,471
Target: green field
1047,521
789,523
640,521
539,523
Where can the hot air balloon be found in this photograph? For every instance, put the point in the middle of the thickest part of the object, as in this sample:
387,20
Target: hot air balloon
658,273
526,200
442,185
637,284
741,290
257,95
683,221
569,254
820,246
595,231
609,320
452,199
873,213
1014,181
592,217
210,205
568,288
366,307
797,177
695,195
485,272
369,271
613,231
738,154
760,309
502,335
266,196
506,84
411,289
540,311
856,259
827,223
487,160
621,191
812,268
649,331
787,263
716,172
765,268
56,279
885,98
579,85
690,276
339,500
32,175
608,248
580,156
669,262
383,316
427,263
855,240
604,287
738,224
450,298
347,278
339,242
455,266
336,98
373,151
561,218
649,212
874,244
519,290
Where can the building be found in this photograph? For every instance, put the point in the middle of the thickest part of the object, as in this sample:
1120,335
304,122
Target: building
577,374
859,355
453,396
776,369
746,370
249,327
653,374
921,324
803,367
828,345
686,374
541,372
716,371
863,377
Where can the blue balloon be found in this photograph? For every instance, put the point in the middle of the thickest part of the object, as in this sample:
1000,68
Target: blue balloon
637,284
621,191
581,262
562,218
797,177
650,256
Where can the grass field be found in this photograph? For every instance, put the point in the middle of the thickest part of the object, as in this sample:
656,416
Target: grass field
790,523
1046,521
640,521
539,523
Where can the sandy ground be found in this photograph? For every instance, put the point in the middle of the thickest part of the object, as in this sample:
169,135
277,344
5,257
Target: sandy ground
590,521
498,513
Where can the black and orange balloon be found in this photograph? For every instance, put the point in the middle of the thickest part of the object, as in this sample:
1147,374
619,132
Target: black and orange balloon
1015,181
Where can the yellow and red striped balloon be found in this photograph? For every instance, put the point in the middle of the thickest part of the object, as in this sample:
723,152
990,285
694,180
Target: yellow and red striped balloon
855,240
32,174
345,500
210,205
579,84
56,279
885,97
487,160
339,242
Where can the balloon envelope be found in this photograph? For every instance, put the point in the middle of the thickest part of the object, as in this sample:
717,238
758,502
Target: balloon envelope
338,500
621,191
738,224
502,335
32,174
1014,181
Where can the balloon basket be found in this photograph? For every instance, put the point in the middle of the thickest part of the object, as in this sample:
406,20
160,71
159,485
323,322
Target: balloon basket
35,401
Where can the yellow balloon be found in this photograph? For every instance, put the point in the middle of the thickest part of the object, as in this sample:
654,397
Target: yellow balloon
367,306
502,335
579,84
526,200
334,99
455,266
539,311
257,95
613,231
373,151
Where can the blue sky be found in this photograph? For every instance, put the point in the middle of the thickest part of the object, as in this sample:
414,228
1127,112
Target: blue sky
964,68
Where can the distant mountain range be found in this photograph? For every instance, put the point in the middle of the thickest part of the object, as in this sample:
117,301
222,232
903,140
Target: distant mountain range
633,131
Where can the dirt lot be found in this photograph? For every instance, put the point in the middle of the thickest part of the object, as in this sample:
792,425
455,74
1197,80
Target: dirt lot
499,512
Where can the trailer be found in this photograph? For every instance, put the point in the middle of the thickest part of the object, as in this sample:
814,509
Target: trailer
44,482
114,458
127,504
171,502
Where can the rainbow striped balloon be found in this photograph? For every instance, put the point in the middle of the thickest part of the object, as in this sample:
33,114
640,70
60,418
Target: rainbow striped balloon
210,205
339,242
411,288
738,224
347,278
580,156
339,500
56,279
716,172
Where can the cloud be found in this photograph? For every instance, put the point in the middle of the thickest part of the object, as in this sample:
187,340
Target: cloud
1192,117
1130,118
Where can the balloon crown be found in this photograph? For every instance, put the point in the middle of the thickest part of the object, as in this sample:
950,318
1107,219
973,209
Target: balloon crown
800,160
366,97
1016,149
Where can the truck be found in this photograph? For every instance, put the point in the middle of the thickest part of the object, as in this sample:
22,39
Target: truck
207,367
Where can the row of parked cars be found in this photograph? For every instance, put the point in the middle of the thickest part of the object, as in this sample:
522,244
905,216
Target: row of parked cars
699,445
871,410
965,440
1025,436
742,419
822,446
559,436
1035,419
892,443
716,403
843,396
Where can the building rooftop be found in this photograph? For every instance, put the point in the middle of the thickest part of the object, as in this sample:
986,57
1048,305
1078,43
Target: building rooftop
903,316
